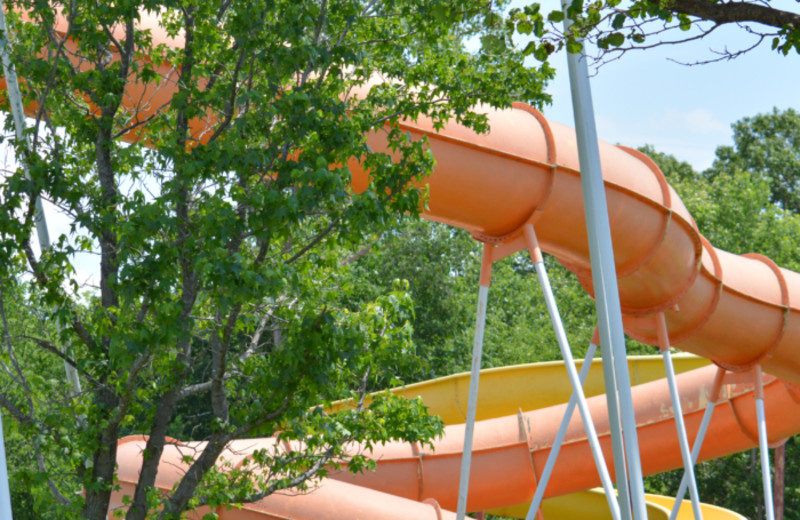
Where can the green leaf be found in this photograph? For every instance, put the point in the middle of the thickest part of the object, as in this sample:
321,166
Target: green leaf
440,13
555,16
616,39
492,44
524,27
574,47
540,53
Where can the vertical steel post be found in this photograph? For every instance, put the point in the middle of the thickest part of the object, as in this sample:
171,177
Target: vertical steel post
475,374
604,276
5,493
11,84
17,112
569,363
763,447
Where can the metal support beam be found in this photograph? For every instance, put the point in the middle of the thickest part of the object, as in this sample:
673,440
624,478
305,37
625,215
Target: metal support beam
11,82
577,386
544,478
617,442
475,374
698,442
604,278
688,464
763,447
5,493
17,112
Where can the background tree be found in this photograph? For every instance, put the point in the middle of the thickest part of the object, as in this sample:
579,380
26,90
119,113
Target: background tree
442,266
222,227
766,146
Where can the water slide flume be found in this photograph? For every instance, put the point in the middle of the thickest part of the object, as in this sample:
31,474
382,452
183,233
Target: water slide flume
506,390
509,451
738,311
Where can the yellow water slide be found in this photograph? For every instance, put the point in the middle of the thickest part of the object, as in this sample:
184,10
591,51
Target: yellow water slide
540,385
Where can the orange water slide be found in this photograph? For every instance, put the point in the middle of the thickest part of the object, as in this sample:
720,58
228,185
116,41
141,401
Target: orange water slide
738,311
508,454
734,310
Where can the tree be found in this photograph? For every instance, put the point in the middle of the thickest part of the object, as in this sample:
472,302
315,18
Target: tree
223,226
767,146
28,365
616,27
442,267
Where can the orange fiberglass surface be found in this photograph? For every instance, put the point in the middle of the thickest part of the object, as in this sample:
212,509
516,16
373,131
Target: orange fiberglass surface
738,311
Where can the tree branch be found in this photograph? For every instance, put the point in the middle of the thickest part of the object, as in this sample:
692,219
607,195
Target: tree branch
46,345
732,12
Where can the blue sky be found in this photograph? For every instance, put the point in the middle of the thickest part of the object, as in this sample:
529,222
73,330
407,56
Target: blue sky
643,98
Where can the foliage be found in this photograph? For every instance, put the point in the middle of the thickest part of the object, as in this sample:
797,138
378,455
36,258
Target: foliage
30,454
767,146
223,227
615,27
442,266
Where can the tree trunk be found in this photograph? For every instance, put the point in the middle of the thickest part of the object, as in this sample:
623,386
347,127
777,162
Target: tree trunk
780,483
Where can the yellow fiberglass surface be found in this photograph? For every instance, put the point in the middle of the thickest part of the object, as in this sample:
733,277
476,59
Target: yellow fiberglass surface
504,391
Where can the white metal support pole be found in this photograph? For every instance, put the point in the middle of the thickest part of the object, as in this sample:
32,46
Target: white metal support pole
11,83
698,442
604,277
17,112
566,354
544,478
5,493
688,465
766,477
472,403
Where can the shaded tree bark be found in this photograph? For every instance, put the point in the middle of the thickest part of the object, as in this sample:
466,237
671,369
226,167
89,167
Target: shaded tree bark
780,480
733,12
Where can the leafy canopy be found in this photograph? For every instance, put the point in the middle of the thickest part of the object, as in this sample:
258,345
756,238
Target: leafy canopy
222,227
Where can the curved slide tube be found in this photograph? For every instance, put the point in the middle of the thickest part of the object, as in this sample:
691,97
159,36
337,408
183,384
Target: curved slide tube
738,311
506,390
509,452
